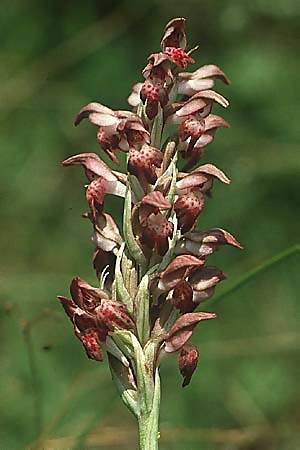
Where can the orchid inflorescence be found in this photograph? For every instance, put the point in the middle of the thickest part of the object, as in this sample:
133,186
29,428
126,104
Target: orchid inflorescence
154,275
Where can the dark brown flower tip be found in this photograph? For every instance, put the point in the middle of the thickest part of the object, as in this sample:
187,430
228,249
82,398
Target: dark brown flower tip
69,306
182,297
180,268
187,362
174,34
102,259
183,328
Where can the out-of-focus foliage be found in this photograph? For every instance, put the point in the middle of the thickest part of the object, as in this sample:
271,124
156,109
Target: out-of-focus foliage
57,56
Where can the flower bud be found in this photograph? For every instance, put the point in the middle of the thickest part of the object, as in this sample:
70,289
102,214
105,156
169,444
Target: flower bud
187,361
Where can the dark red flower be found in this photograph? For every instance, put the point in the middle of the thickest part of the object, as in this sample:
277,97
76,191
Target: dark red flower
93,314
201,179
187,362
117,130
86,296
95,168
182,297
198,106
155,89
86,328
155,233
95,195
188,207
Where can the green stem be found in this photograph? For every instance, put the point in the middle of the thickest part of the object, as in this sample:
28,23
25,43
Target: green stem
257,270
148,420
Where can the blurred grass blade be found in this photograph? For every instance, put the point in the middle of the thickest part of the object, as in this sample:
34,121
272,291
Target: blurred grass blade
257,271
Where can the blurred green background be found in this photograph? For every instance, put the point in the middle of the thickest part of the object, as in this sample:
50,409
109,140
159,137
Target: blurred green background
57,56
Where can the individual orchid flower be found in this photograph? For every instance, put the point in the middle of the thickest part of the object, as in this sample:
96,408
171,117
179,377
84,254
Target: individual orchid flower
152,203
155,89
93,315
197,125
197,288
196,135
187,362
188,207
191,189
156,232
95,168
117,130
174,43
155,228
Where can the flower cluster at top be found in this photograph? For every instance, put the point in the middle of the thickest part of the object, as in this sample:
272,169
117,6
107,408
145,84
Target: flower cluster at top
154,274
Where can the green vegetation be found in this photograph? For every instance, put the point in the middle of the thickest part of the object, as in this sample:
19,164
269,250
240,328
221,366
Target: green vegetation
57,56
